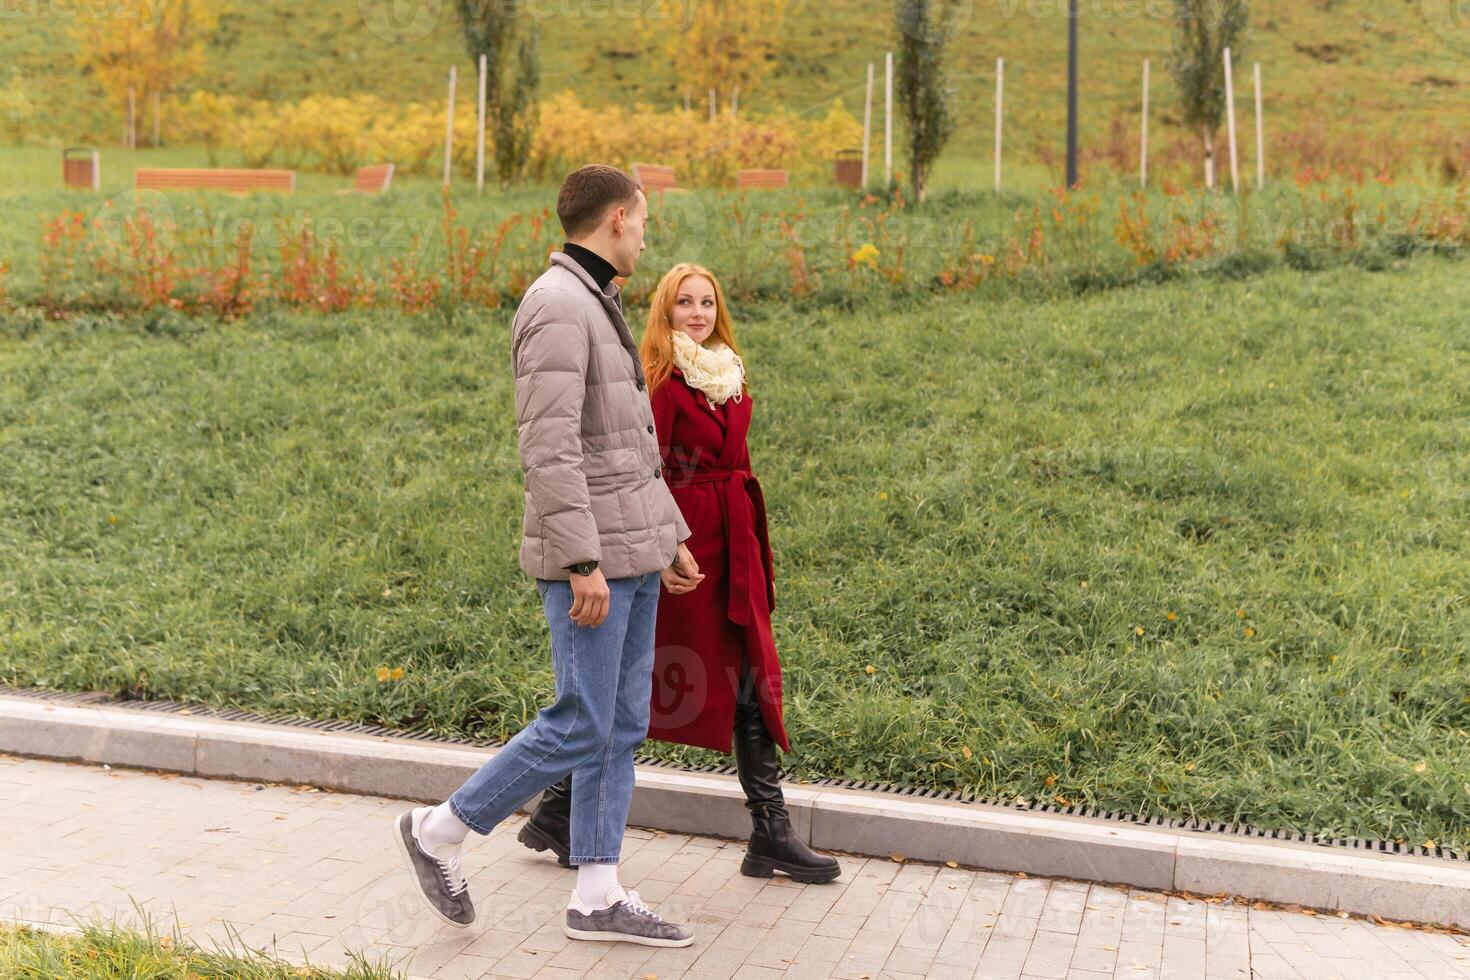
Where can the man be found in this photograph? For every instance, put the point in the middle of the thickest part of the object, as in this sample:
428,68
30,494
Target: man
601,532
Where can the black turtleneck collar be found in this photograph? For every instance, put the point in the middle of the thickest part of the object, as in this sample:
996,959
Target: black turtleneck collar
599,268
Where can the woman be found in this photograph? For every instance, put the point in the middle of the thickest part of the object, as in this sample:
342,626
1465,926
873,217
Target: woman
717,679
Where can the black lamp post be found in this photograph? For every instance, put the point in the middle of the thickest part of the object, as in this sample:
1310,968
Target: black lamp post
1071,94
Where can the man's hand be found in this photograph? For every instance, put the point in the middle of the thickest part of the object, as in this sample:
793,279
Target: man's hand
590,598
683,575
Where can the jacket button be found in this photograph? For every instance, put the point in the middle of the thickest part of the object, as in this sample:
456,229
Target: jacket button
650,430
658,474
640,385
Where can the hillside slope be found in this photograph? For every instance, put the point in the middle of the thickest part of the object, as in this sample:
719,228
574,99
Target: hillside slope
1363,67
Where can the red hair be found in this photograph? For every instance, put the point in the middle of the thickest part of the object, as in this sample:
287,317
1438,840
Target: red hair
657,348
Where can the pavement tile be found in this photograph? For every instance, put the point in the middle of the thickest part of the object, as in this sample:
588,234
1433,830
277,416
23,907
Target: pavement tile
316,875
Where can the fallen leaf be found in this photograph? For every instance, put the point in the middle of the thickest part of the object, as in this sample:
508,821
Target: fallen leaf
896,856
951,864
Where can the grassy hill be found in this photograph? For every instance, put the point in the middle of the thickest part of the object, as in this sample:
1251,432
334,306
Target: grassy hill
1343,72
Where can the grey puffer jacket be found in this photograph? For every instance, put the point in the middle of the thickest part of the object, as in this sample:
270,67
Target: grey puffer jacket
595,488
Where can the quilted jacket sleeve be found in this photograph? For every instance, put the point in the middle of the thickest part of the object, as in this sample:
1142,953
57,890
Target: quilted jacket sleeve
549,355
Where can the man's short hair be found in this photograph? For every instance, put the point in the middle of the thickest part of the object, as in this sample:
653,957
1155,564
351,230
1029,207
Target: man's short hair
589,193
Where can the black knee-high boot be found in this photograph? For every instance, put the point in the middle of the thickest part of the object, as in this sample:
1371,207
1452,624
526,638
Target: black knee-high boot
774,846
550,826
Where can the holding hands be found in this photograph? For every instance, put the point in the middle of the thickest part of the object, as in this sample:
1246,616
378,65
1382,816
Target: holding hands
683,575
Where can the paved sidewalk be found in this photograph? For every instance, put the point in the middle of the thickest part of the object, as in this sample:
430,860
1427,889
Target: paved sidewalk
317,874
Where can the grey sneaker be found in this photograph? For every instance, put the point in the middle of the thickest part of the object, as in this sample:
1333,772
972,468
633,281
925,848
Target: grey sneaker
441,883
628,920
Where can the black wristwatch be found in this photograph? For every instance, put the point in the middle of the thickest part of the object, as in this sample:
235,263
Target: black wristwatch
583,567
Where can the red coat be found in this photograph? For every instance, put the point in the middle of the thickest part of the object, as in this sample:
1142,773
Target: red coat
701,636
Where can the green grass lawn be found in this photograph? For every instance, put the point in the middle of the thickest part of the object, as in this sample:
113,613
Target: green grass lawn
104,951
1196,548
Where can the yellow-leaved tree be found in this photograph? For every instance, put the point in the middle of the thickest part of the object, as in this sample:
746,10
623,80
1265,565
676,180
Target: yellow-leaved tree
145,49
722,45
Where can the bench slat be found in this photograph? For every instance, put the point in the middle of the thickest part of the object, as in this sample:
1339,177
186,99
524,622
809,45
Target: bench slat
760,179
154,178
374,179
652,177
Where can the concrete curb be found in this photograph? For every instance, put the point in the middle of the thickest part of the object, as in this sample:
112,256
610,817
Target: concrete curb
994,838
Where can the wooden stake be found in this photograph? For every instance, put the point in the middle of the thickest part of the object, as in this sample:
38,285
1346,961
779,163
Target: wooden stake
686,98
734,101
1143,134
1230,123
867,124
480,141
888,120
712,108
1000,78
157,120
132,139
1260,135
449,126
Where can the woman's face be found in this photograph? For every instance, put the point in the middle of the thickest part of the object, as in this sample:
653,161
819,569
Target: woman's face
694,308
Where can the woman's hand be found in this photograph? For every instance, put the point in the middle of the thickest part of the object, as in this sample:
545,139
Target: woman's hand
683,575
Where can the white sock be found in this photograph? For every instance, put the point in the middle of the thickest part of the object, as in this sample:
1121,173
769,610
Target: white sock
594,881
441,832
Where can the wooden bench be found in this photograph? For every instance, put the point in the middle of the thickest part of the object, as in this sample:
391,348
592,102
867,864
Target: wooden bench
760,180
233,181
371,180
652,177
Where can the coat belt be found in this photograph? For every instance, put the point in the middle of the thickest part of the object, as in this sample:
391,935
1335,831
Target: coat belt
746,544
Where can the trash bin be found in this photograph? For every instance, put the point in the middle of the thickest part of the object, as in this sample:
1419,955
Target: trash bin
80,168
848,168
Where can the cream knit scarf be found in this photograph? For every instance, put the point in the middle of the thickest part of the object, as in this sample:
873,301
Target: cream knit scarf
716,370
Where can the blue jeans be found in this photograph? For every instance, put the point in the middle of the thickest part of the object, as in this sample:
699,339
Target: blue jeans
604,677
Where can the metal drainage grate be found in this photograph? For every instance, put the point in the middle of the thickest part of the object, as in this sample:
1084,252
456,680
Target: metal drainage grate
165,706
